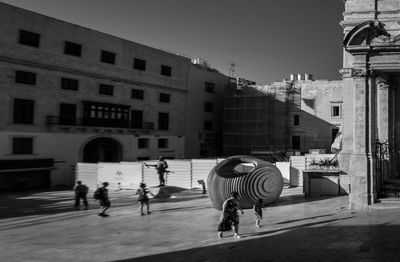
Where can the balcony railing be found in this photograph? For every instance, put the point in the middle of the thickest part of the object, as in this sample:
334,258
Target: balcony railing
118,123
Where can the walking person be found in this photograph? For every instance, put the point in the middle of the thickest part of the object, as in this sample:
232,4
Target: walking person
229,217
143,198
258,211
80,191
101,194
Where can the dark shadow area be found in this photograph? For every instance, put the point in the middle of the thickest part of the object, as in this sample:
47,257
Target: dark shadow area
297,220
321,241
250,110
34,202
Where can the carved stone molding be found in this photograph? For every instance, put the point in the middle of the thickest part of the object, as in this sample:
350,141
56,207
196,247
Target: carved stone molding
385,40
346,72
353,72
382,83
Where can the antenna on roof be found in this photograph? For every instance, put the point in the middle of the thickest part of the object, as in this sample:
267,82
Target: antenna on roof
232,66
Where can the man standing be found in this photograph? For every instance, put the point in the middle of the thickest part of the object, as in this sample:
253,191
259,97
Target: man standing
81,191
161,169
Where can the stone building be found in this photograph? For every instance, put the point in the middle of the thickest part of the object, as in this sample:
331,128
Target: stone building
70,94
204,110
371,80
292,116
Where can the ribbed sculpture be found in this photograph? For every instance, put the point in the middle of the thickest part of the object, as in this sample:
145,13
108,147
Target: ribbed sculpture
251,177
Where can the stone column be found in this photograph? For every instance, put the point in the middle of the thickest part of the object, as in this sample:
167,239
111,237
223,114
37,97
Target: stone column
382,109
361,160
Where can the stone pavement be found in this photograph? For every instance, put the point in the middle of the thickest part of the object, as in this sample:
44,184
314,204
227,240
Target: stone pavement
43,226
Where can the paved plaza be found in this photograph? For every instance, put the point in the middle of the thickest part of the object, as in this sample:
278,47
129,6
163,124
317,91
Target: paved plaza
43,226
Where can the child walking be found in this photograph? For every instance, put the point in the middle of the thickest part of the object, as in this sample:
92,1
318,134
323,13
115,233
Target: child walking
257,209
143,198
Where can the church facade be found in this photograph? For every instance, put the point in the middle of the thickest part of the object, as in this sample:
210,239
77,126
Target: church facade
371,81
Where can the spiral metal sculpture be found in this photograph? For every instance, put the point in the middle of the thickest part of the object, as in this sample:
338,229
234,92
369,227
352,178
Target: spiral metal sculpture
264,181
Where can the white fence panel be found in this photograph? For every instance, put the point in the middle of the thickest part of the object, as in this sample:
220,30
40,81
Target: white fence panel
150,176
87,173
297,165
284,167
201,169
119,175
180,174
131,175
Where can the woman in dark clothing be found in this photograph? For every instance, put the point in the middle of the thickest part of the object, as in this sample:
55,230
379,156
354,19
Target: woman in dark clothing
229,217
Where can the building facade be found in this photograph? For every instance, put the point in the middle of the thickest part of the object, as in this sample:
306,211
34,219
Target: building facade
371,81
204,110
290,116
70,94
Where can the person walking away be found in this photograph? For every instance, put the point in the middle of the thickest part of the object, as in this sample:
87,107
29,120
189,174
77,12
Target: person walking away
161,169
80,191
229,217
101,194
258,211
143,198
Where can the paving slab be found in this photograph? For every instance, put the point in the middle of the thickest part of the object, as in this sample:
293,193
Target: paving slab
43,226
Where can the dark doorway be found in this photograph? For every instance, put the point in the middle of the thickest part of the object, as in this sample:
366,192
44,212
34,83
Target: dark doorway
102,150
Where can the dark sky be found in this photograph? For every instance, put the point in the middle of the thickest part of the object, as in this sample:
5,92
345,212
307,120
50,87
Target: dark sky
267,39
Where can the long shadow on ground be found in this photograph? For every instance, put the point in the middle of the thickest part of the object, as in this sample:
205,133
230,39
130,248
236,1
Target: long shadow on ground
320,241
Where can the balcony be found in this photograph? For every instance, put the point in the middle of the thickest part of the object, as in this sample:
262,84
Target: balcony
95,122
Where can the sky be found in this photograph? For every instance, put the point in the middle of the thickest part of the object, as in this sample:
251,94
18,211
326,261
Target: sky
267,40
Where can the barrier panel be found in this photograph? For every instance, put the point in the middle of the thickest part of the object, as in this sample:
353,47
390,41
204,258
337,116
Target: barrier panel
87,173
128,175
284,167
297,165
201,168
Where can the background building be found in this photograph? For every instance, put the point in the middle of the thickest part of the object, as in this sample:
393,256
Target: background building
70,94
290,116
204,110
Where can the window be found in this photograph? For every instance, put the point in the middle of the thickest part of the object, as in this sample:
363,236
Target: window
334,133
104,114
296,142
165,98
72,49
107,57
137,94
296,120
208,125
166,70
22,145
163,143
69,84
26,78
67,114
139,64
143,143
29,38
208,107
209,87
336,110
136,119
163,121
106,89
23,111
